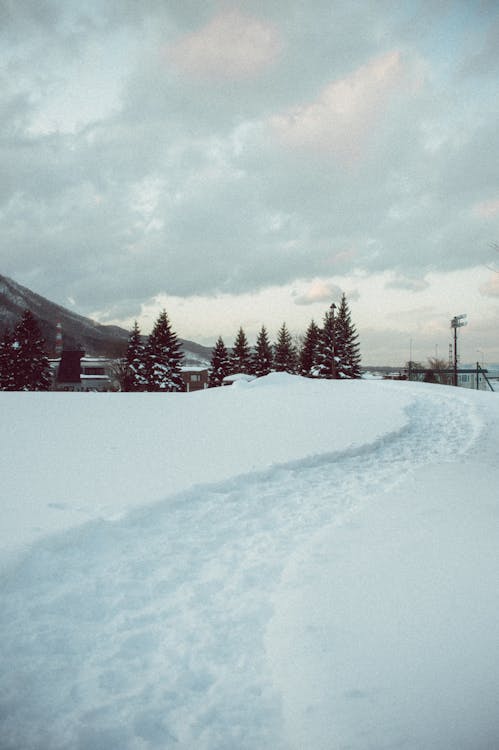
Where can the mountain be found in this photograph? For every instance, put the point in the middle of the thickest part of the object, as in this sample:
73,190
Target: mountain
96,339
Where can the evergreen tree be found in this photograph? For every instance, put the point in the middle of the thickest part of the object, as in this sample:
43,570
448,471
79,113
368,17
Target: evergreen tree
135,362
220,364
240,360
7,378
30,369
308,354
347,345
164,358
285,359
262,359
327,360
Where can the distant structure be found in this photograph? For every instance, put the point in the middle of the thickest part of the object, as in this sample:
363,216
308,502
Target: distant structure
58,340
69,370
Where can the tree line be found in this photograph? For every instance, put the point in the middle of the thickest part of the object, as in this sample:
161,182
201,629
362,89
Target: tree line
155,363
330,351
327,351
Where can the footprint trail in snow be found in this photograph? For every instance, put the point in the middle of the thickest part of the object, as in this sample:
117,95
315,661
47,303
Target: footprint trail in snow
149,632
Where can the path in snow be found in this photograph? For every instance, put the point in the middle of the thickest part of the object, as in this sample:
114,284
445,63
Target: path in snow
150,632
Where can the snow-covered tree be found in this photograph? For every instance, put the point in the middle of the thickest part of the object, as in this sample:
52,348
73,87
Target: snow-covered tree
338,350
240,360
262,359
308,353
164,358
7,378
25,366
135,376
347,343
327,361
284,351
220,364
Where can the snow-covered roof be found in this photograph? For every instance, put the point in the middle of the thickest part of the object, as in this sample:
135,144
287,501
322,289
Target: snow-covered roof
238,376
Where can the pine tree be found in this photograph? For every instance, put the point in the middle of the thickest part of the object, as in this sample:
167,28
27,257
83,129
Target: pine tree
308,354
285,359
240,360
220,364
135,360
30,369
327,361
347,346
262,359
7,379
164,358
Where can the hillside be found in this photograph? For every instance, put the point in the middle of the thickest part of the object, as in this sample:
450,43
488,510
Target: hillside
96,339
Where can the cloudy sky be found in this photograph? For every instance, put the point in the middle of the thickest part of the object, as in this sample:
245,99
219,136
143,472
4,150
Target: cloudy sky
242,163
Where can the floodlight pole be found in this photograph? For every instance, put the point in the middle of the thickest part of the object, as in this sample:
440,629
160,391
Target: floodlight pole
457,322
333,341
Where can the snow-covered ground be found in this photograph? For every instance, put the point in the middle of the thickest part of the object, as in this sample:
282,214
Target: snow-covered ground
278,565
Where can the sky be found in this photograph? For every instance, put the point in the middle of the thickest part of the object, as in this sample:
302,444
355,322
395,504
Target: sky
246,163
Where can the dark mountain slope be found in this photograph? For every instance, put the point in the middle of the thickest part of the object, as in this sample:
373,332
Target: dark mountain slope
96,339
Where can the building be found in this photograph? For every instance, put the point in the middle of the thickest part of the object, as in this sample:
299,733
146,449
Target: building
475,378
73,371
195,377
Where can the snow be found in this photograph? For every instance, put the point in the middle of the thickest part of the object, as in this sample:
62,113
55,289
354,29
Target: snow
283,564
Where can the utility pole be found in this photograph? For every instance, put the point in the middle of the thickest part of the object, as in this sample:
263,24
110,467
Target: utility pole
333,337
458,321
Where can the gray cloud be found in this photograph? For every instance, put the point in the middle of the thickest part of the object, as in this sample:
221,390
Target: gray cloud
184,186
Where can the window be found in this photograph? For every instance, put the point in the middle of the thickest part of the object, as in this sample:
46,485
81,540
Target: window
195,378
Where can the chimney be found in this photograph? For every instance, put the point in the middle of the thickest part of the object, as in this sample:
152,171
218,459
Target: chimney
69,367
58,340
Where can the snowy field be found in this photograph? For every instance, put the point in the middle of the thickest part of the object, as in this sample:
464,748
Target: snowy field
281,565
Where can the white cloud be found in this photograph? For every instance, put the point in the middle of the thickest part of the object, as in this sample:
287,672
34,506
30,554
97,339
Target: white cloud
319,291
344,113
491,287
231,46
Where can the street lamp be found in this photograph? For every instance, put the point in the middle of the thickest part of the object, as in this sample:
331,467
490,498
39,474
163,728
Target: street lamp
458,321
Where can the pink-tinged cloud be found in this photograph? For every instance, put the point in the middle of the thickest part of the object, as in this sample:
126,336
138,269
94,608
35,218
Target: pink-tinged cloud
491,287
344,113
319,291
231,46
486,209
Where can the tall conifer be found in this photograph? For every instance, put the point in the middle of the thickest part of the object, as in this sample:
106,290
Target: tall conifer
30,366
220,364
327,361
347,345
164,358
308,354
7,377
240,360
284,351
136,370
262,358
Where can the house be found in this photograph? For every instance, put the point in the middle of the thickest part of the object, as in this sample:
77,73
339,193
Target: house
73,371
195,377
